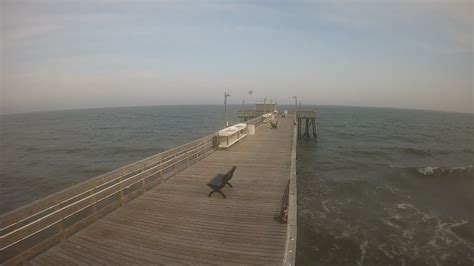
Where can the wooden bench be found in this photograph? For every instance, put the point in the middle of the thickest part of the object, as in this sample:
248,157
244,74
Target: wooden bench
220,180
274,125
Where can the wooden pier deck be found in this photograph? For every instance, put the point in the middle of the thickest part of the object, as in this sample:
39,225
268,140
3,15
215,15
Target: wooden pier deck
176,223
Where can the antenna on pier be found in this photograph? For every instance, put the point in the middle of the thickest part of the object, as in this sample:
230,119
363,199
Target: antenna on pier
225,108
296,102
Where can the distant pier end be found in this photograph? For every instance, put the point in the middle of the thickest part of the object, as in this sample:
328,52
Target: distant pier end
260,109
306,121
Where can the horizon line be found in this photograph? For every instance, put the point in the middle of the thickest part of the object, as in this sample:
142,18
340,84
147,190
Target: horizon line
235,104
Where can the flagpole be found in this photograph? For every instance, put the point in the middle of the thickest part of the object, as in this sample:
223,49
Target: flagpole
251,93
225,108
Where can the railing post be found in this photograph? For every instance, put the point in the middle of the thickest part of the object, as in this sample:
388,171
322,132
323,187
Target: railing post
175,165
61,229
187,158
122,202
94,210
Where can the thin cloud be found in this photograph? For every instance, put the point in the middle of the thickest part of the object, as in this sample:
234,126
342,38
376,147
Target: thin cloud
435,26
392,53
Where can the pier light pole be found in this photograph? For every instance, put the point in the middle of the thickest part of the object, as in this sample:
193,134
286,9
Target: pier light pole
264,105
296,103
225,108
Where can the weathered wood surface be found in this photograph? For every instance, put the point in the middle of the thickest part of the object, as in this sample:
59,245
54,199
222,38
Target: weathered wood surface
24,215
176,222
82,204
291,232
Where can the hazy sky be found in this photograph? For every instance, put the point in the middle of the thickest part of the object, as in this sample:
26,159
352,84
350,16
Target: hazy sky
94,53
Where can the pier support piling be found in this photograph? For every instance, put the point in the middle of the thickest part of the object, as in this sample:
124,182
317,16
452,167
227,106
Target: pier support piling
309,120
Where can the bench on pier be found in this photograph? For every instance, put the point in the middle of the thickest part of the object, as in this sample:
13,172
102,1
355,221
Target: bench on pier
220,180
274,125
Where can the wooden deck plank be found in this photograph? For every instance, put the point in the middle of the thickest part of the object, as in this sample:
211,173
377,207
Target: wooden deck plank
176,222
111,254
180,249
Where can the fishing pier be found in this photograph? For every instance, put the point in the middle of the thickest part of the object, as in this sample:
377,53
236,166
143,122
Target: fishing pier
157,210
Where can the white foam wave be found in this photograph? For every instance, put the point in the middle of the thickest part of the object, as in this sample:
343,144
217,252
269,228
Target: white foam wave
384,251
388,188
363,251
408,234
406,206
324,205
443,236
430,170
387,222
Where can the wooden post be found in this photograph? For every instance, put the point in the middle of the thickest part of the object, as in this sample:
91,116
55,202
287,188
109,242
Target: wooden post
307,125
299,127
314,128
302,128
122,201
61,229
94,210
175,165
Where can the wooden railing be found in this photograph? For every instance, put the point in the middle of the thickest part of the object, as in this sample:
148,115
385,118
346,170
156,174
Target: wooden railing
283,216
254,121
31,229
290,249
249,113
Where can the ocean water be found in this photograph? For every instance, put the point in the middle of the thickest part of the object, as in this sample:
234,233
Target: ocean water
387,187
45,152
378,187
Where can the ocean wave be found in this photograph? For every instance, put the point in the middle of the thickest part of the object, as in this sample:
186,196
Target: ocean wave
436,170
414,151
430,170
371,153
